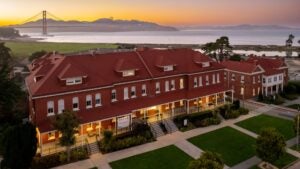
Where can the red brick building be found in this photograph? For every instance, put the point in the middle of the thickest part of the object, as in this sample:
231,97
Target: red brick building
110,91
244,78
257,74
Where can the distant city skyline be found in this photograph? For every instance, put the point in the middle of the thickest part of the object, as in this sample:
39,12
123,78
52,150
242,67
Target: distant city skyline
166,12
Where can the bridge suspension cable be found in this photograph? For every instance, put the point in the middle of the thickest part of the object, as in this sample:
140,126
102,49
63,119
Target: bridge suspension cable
32,18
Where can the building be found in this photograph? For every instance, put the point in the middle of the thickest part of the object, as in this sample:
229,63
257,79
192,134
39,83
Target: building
275,75
244,78
257,74
110,91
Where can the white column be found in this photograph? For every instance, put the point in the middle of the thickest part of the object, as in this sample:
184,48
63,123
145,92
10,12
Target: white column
231,96
216,95
266,90
145,112
224,100
277,86
173,106
282,86
187,106
99,128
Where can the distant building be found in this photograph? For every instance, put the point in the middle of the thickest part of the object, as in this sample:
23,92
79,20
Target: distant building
257,74
110,91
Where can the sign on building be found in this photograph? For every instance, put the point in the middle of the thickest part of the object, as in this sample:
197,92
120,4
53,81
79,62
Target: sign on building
123,122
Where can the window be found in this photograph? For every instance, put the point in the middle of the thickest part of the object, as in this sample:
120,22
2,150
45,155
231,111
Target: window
168,68
73,81
233,77
205,64
133,92
181,103
97,100
157,87
275,79
113,95
61,106
144,90
181,84
207,80
213,79
225,75
253,79
242,78
50,108
51,135
258,90
242,91
218,77
195,82
167,86
264,80
88,101
200,81
75,103
269,80
280,77
128,73
172,84
126,93
253,92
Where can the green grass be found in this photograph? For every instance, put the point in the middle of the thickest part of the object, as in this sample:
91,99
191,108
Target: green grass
169,157
232,145
293,106
285,160
25,49
255,124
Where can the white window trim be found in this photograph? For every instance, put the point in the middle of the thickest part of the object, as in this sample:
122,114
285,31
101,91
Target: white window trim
126,94
74,100
50,104
173,85
195,82
61,106
133,89
157,86
144,87
114,91
181,83
98,96
167,86
89,98
73,81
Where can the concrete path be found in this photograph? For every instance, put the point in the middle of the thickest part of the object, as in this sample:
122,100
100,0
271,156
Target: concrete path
249,133
189,148
247,164
290,102
84,164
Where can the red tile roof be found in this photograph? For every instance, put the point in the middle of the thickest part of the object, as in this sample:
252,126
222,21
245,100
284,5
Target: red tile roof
271,65
240,66
101,69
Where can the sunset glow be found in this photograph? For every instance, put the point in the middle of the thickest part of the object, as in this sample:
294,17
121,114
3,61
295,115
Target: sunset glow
167,12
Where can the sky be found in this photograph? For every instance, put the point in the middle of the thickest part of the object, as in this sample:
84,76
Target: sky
165,12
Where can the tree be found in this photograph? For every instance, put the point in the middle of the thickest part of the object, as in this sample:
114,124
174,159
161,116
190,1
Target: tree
235,57
36,55
289,41
297,123
5,56
20,145
220,46
67,123
270,145
9,32
207,160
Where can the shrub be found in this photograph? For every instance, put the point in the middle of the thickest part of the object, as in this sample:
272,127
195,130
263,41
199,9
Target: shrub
63,157
236,104
232,114
243,111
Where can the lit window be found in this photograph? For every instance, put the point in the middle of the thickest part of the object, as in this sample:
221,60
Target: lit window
172,84
242,91
97,100
181,84
61,106
195,82
50,108
113,95
167,86
51,135
207,79
126,93
75,104
144,90
73,81
200,81
181,103
89,101
157,87
128,73
133,92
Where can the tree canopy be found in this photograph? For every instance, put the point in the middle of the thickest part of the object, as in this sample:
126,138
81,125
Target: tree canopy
9,33
221,47
67,123
19,146
270,145
207,160
37,54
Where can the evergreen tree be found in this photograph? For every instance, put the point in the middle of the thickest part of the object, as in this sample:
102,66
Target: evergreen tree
207,160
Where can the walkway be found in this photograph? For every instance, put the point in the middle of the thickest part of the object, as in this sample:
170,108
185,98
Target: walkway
178,139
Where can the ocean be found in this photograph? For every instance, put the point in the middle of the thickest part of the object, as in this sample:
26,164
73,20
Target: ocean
236,37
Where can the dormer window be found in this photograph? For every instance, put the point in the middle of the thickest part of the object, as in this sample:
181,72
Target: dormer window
205,64
168,68
128,73
37,78
74,81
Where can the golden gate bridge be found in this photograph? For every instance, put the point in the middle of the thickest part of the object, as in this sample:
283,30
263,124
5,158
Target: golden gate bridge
45,15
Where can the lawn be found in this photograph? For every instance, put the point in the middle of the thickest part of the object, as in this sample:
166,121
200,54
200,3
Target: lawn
232,145
293,106
169,157
255,124
285,160
25,49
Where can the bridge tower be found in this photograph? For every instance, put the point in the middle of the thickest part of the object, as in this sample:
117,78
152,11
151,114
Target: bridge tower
45,23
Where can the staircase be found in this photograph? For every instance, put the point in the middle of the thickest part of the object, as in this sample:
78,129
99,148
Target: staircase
156,129
170,125
94,148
